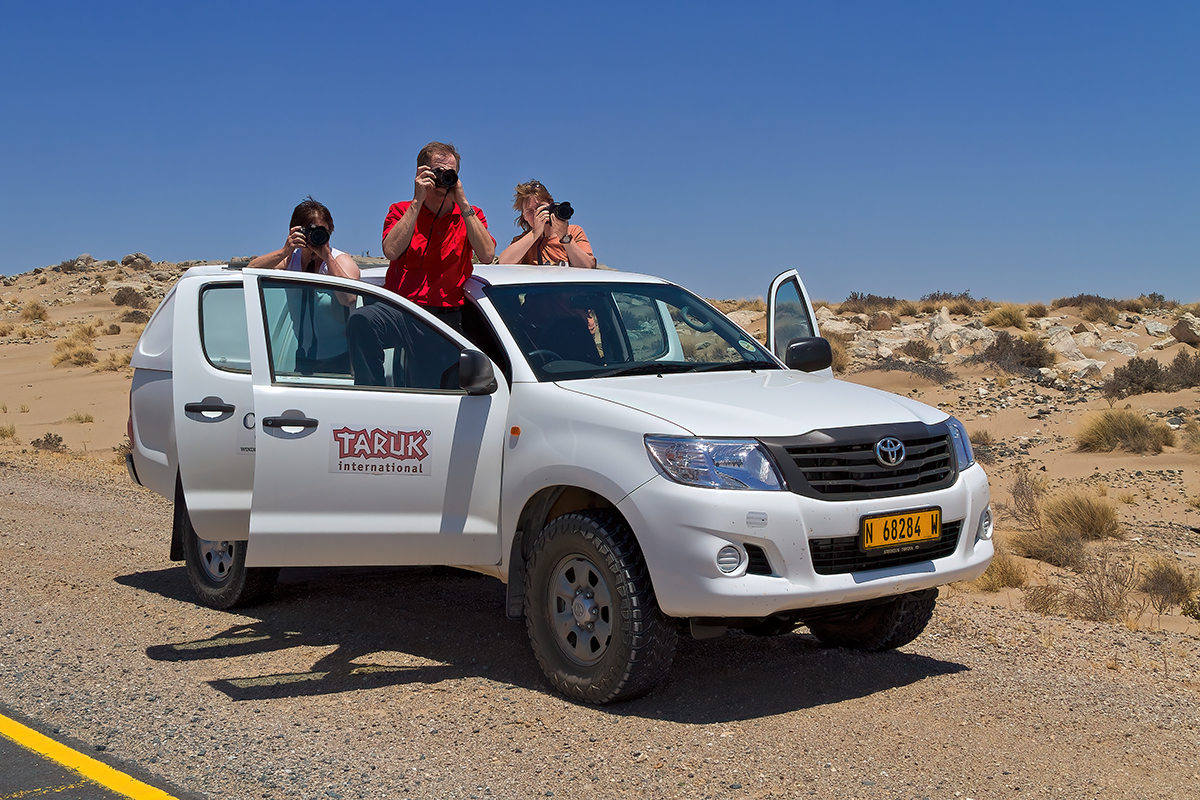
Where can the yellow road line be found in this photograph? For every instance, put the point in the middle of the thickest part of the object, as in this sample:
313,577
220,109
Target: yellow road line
90,768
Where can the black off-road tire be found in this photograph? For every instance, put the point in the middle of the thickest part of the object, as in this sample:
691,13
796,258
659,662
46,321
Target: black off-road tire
218,571
885,626
586,568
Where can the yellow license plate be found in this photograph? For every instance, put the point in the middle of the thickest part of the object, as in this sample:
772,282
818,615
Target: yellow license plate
892,531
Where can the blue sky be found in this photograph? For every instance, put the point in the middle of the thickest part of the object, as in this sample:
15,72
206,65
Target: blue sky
1017,150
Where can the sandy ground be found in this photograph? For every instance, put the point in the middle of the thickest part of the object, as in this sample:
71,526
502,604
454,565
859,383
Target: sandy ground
343,688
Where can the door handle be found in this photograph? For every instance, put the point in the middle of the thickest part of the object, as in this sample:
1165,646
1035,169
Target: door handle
215,404
289,422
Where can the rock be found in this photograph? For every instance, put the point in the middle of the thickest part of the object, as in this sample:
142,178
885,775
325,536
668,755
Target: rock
884,351
880,321
1081,368
839,326
860,320
1162,344
1118,346
1087,339
1187,330
745,318
824,313
1063,343
138,261
1084,327
1157,328
84,261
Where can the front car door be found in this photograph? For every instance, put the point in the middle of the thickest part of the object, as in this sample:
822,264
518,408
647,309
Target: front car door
789,314
406,473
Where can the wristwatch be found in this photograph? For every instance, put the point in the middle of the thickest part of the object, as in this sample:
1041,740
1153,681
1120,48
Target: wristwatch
566,239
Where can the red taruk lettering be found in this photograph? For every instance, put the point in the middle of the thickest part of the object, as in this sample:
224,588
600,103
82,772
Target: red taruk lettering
378,443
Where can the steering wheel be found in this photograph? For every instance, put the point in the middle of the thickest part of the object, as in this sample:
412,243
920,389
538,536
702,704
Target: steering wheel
694,322
545,355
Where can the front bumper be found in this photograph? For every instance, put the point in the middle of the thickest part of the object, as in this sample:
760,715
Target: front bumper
681,529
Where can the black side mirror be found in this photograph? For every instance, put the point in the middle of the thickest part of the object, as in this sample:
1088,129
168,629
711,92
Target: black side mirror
475,373
808,354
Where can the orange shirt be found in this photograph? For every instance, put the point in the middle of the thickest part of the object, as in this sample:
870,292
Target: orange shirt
553,252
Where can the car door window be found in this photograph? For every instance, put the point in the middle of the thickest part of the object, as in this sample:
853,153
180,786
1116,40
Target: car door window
223,333
307,342
791,316
643,324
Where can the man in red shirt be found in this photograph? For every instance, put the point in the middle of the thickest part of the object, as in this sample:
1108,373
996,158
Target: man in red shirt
429,241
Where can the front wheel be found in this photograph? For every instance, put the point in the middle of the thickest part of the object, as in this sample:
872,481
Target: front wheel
591,613
884,626
218,573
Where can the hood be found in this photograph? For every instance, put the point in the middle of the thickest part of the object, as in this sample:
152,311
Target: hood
756,404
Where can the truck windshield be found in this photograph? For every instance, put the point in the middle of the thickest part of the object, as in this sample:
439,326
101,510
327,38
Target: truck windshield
594,330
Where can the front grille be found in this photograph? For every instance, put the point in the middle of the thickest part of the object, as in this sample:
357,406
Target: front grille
840,464
841,555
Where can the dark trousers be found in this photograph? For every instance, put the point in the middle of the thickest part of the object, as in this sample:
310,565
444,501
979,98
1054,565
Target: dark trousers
373,328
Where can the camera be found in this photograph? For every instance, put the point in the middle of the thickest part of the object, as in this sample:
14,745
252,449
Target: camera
445,177
561,210
316,235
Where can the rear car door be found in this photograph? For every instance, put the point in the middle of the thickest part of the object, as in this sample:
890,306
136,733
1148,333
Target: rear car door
789,314
406,473
214,405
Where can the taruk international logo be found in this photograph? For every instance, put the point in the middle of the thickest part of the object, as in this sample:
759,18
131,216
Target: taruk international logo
380,451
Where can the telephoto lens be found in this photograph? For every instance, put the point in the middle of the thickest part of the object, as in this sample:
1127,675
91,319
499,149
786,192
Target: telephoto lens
562,210
445,177
316,235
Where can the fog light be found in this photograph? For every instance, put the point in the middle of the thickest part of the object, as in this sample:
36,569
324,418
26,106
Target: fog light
985,526
729,558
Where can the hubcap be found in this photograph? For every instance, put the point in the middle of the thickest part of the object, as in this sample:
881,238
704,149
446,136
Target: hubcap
581,610
216,558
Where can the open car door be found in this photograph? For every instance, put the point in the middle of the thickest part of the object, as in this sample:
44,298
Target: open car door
790,315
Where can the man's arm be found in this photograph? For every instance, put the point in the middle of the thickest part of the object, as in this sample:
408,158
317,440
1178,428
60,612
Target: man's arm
279,258
399,236
481,241
517,250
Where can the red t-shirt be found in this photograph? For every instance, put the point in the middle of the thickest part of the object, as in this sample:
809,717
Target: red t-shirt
432,276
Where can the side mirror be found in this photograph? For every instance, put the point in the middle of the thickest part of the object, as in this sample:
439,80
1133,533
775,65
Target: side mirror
808,354
475,373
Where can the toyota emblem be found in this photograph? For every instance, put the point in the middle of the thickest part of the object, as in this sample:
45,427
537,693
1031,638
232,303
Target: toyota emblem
889,452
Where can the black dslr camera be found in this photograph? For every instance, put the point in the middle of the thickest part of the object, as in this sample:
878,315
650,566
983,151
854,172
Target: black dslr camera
316,235
445,177
561,210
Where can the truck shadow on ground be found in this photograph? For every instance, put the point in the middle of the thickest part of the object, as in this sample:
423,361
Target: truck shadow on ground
397,626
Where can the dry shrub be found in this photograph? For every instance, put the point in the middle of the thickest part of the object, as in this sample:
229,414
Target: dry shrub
34,311
1099,312
963,308
820,304
1082,513
1060,548
727,306
859,303
1193,309
1007,315
76,416
113,330
5,329
1004,572
981,437
79,355
1081,300
50,442
1045,600
136,317
128,296
839,344
1122,428
1133,306
905,308
928,307
1184,371
1191,437
1036,310
1027,492
918,349
8,431
1127,498
1104,587
1166,584
1015,355
114,362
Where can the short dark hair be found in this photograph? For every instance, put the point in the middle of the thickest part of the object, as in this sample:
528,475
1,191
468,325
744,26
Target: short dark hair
425,157
310,212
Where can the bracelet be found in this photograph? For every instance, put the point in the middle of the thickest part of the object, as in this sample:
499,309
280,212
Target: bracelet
469,212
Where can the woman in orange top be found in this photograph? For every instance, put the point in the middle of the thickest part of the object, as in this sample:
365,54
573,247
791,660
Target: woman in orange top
547,238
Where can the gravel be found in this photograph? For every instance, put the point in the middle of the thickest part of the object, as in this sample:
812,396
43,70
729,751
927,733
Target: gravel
410,682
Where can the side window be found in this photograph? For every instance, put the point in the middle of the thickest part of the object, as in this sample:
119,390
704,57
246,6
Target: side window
644,326
223,332
312,340
791,316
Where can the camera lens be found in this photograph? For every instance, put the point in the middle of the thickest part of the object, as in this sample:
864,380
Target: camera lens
317,235
445,177
562,210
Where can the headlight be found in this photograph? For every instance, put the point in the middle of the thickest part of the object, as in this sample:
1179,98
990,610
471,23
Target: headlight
962,443
715,463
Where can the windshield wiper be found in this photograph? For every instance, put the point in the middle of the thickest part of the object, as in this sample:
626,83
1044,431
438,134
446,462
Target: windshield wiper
653,368
734,366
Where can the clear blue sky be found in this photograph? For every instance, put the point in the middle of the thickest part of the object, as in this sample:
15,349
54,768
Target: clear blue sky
1019,150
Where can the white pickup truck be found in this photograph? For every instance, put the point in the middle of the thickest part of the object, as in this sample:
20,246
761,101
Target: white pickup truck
631,463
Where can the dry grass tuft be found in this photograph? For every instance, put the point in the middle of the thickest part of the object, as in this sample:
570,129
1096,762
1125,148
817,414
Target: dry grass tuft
114,362
79,355
8,431
1045,599
1166,584
1122,428
1083,514
981,437
1099,312
76,416
1036,310
5,329
1101,490
1104,588
1007,315
23,408
839,344
1127,498
918,349
905,308
1027,492
1004,572
1060,548
34,311
1191,436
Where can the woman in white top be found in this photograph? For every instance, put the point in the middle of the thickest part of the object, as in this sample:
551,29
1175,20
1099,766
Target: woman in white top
318,316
